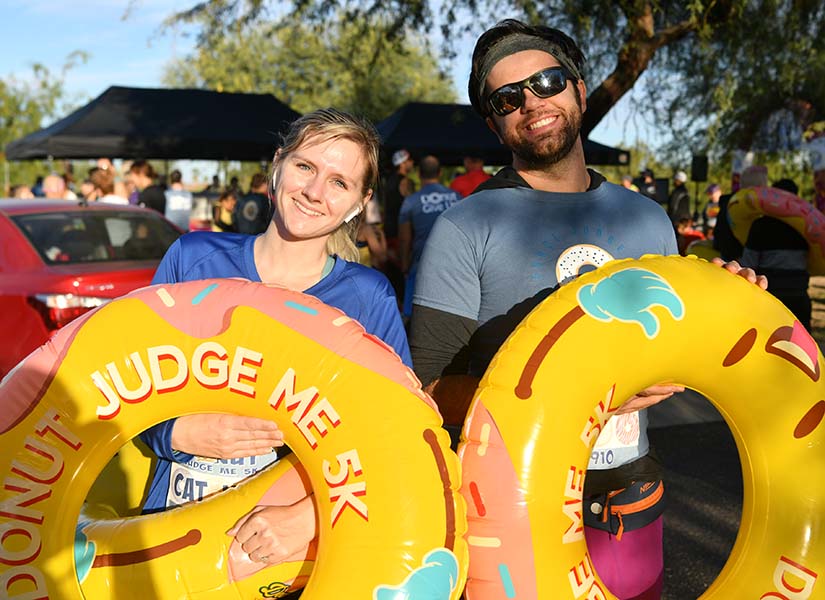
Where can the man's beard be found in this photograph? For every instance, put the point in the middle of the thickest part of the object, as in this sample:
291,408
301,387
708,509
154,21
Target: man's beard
547,151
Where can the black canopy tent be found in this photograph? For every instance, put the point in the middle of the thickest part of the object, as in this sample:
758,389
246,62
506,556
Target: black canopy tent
453,131
163,124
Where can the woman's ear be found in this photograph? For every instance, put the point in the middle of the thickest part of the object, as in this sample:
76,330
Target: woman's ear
273,173
353,213
367,197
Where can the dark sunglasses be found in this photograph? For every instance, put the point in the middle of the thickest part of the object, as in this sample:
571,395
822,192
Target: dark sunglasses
547,82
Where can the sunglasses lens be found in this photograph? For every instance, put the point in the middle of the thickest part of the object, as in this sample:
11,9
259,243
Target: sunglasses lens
543,84
547,83
506,99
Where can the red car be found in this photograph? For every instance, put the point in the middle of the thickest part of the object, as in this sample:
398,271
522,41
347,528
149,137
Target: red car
59,259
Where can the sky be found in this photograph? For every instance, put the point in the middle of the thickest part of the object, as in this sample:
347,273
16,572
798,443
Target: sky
129,50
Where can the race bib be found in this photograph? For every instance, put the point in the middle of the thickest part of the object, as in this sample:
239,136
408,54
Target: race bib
623,440
199,477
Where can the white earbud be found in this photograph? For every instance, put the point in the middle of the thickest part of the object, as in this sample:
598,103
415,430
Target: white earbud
355,212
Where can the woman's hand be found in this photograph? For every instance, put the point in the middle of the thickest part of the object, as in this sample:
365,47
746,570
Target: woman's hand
225,436
270,534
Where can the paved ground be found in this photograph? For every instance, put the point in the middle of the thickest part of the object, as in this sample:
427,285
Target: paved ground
704,486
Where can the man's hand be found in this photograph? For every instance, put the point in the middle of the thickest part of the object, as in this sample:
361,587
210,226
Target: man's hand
652,395
225,436
737,269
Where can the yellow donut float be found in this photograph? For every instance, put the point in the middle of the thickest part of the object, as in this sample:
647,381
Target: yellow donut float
154,554
122,485
702,249
390,519
748,204
570,365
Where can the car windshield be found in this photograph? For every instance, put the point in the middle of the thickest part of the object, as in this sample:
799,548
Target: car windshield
97,236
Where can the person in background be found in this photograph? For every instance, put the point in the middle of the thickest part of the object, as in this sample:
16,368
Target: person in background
678,204
178,201
647,186
54,187
473,176
223,212
235,186
37,188
397,186
253,211
778,251
686,233
21,191
724,241
491,258
323,175
214,187
87,188
105,163
68,180
417,217
150,195
710,213
103,181
627,183
371,243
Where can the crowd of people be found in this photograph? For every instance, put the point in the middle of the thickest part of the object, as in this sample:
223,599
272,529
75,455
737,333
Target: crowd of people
137,183
454,264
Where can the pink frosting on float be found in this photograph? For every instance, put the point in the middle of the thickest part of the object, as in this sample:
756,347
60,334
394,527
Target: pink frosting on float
23,387
803,339
334,330
204,309
785,205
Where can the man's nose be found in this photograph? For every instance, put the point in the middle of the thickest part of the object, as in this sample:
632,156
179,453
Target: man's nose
531,101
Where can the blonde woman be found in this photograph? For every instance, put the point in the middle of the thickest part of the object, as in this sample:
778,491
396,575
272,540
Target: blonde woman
321,179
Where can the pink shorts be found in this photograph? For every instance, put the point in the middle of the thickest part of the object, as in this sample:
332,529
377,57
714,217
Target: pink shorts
633,568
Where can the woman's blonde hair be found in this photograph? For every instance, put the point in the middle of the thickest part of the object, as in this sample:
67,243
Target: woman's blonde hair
330,124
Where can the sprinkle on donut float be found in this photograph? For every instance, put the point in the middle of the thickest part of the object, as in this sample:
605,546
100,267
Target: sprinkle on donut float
385,483
748,204
571,364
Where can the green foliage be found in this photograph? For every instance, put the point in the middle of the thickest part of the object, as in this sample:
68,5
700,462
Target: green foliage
344,64
711,74
754,83
26,106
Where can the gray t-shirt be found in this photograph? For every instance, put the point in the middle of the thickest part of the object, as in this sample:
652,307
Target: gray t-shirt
495,256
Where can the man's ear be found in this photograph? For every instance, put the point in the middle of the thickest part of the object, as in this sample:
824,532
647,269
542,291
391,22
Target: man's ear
492,125
581,89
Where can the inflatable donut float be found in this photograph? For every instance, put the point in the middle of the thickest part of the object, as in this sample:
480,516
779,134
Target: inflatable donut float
153,554
748,204
390,519
570,365
702,249
121,487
